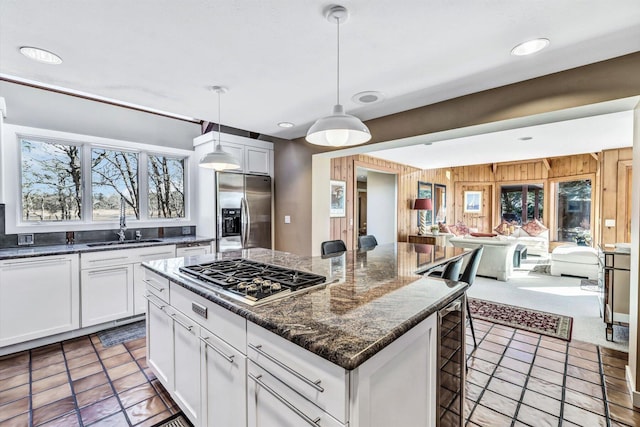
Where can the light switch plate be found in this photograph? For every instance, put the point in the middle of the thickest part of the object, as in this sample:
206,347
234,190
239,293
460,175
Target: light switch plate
287,219
609,222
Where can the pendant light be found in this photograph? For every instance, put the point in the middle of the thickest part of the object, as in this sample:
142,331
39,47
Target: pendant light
219,159
339,129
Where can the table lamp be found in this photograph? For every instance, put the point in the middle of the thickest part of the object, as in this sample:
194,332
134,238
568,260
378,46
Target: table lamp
422,205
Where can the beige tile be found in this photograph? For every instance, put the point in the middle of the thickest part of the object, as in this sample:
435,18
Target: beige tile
49,382
94,395
51,395
53,410
14,394
123,370
85,371
12,409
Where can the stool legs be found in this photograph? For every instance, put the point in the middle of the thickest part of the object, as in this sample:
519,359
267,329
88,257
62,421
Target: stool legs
473,332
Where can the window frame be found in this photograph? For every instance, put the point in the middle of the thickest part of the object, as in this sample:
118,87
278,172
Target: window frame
553,205
11,180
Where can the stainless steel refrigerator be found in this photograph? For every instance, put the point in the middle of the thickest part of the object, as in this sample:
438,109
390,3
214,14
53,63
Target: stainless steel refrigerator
244,211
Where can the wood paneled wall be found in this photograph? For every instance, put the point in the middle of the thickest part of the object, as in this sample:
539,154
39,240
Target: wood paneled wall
608,171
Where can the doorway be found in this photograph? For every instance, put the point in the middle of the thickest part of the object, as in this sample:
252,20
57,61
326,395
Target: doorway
376,189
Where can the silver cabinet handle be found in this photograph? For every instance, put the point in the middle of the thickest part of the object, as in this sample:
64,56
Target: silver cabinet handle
108,259
148,282
34,262
315,384
193,248
108,270
181,323
157,254
284,401
217,350
161,307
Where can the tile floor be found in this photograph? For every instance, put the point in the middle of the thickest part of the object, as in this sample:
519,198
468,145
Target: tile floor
515,378
81,383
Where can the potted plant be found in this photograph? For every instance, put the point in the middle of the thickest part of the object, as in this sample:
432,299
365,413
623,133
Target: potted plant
583,238
435,230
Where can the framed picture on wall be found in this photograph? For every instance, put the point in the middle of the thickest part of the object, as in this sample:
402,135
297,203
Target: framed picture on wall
338,197
472,201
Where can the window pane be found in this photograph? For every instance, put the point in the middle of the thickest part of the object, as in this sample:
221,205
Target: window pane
574,209
511,202
114,174
166,187
51,181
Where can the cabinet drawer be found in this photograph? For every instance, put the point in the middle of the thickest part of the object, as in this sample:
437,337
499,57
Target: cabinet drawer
320,381
228,326
126,256
156,285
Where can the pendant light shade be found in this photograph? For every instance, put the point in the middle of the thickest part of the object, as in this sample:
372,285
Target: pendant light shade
219,159
339,129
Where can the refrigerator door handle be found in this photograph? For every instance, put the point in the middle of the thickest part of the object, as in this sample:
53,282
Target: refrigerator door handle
247,230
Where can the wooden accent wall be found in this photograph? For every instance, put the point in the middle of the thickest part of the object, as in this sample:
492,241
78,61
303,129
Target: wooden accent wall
616,192
344,168
609,172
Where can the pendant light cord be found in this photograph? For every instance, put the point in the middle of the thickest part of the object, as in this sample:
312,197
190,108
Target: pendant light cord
338,63
219,137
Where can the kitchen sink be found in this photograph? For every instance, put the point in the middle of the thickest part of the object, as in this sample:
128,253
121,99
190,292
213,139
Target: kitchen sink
124,242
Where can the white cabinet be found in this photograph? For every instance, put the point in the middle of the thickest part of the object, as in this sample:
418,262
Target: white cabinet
112,282
224,376
257,160
107,294
255,156
38,297
159,349
186,382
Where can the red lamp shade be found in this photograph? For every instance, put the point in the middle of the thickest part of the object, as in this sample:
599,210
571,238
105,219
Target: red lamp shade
423,204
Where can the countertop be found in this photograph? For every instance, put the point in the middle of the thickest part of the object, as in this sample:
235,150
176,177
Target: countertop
35,251
378,298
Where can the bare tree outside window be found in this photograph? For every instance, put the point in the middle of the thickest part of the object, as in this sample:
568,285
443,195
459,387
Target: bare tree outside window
166,187
51,181
114,174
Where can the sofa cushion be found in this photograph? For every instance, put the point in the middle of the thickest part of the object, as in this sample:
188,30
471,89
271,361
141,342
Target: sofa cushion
534,228
444,228
483,234
575,254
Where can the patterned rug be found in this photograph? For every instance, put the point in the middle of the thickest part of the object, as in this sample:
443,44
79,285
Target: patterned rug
120,334
177,420
540,322
589,285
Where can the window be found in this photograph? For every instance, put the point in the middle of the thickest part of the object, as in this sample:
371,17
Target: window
514,197
166,187
573,215
77,182
114,175
51,181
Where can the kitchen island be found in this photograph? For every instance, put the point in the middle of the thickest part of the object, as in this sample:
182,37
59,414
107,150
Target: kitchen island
363,350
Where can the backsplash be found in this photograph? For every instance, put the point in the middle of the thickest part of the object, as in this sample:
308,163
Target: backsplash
62,237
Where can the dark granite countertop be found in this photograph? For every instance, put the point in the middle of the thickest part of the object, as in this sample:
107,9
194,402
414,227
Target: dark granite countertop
35,251
378,297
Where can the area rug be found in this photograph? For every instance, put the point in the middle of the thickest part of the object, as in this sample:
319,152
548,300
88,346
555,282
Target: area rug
589,285
542,269
178,420
540,322
124,333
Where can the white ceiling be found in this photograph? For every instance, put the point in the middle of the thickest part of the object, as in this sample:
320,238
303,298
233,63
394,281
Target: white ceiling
278,56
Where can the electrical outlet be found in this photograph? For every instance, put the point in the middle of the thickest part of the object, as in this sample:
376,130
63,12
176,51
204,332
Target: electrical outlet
287,219
186,231
25,239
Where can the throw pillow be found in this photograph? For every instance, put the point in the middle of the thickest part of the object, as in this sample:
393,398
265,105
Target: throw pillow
534,228
453,230
444,228
462,229
503,228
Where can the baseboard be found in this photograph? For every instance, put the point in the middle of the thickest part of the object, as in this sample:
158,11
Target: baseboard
635,395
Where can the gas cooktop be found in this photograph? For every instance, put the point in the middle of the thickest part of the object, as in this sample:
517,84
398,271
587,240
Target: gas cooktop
252,282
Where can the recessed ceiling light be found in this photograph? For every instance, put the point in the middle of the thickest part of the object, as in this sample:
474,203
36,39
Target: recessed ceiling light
529,47
525,138
427,143
40,55
367,97
285,124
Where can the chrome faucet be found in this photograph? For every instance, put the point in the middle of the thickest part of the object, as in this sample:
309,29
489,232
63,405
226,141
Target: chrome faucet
123,221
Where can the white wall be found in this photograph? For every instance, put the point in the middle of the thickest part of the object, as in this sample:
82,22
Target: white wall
381,206
320,202
633,374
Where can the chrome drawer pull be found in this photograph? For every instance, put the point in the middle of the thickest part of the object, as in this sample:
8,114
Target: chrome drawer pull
109,270
108,259
34,262
156,254
217,350
148,282
161,307
315,384
181,323
284,401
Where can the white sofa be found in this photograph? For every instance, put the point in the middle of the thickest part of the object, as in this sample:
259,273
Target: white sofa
497,257
536,245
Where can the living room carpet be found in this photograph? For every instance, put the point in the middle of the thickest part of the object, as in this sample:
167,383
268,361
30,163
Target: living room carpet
550,324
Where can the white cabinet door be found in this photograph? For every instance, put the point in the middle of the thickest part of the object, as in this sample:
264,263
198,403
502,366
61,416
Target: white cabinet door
186,385
224,374
106,294
160,341
139,286
257,160
272,404
237,151
38,297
